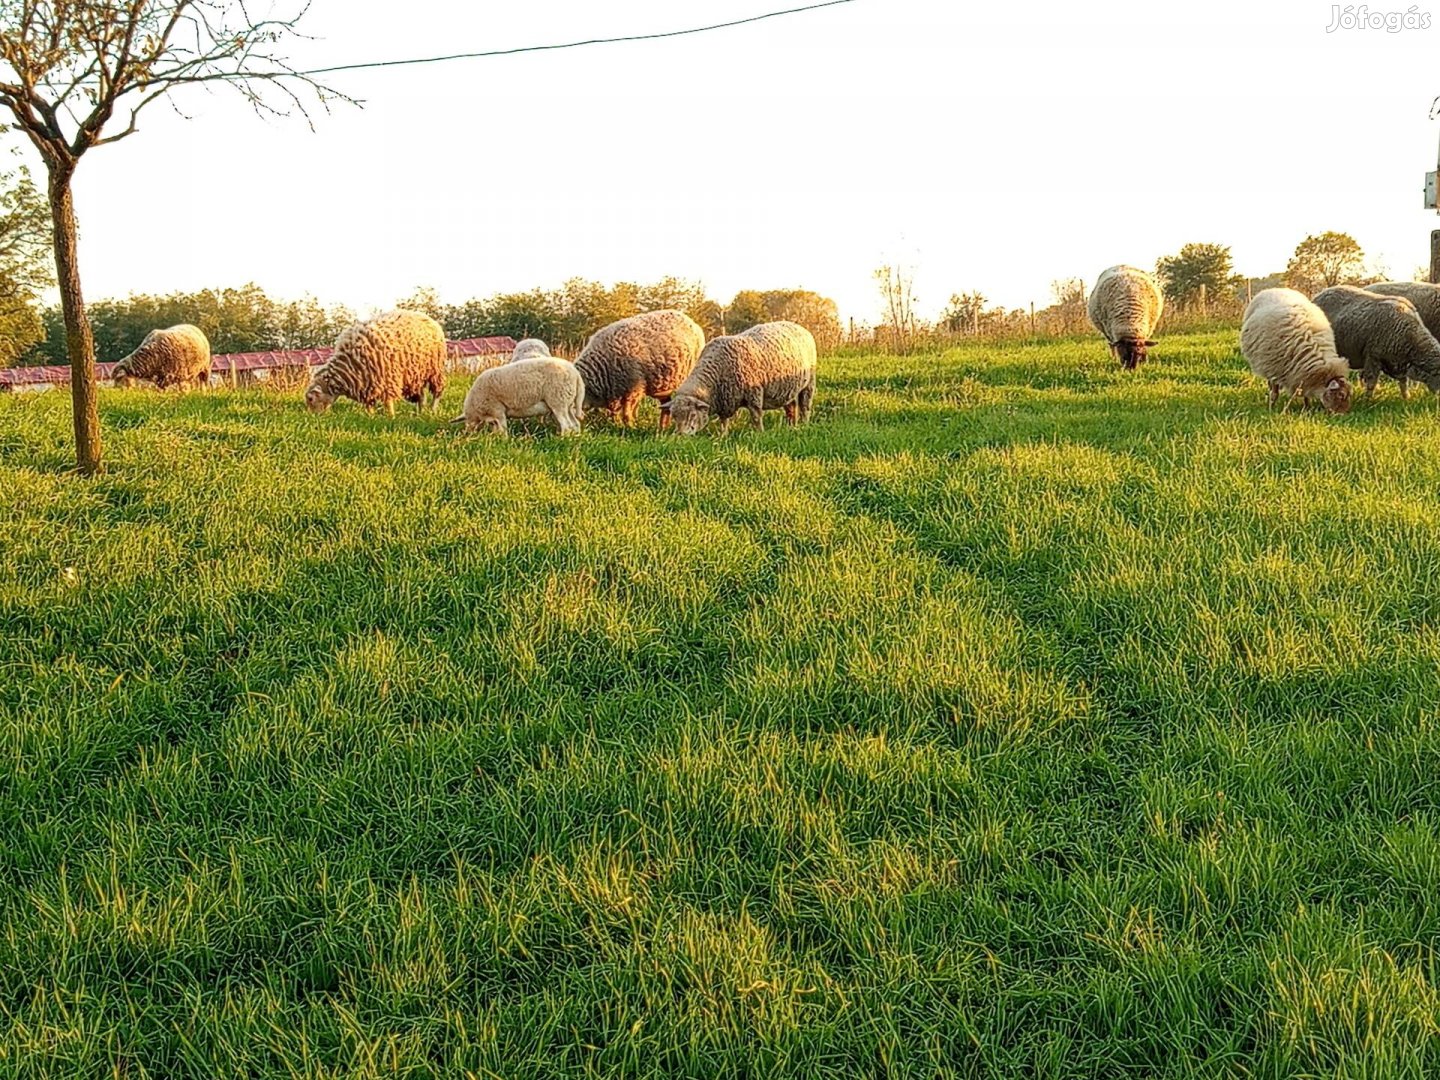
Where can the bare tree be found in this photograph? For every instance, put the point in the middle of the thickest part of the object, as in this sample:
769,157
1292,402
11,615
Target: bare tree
897,294
68,68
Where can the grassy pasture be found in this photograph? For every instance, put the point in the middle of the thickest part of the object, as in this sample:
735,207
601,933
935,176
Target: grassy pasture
1017,718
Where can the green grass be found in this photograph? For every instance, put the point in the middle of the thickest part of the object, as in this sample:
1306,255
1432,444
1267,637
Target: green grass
1017,718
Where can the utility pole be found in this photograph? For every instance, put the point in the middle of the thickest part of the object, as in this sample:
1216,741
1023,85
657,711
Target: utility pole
1432,202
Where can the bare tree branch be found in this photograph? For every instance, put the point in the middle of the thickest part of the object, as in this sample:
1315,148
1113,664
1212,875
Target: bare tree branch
68,67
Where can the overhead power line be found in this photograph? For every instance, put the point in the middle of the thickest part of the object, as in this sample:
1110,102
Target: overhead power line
576,44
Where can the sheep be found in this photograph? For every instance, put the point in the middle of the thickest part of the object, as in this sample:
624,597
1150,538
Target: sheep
769,366
399,354
1376,329
1125,306
535,387
1288,342
178,356
1422,294
528,348
648,354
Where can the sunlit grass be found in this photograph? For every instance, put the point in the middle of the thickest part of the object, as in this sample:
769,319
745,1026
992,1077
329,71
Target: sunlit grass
1018,717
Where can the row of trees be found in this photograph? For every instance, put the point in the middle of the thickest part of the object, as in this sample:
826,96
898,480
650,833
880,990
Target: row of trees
566,316
1199,278
242,319
246,319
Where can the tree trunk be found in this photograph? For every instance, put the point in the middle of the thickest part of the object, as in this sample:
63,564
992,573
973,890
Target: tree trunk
79,341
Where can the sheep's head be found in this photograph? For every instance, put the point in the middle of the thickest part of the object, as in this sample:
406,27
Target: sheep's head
1335,395
487,423
1132,352
317,397
473,423
688,414
120,375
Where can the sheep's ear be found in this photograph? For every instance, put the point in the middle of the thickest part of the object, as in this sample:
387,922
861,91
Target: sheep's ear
458,420
1149,344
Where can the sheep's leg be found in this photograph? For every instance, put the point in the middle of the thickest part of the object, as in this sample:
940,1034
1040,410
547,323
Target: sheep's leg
1404,388
665,421
632,407
1274,393
792,412
803,401
1370,377
560,413
757,413
390,408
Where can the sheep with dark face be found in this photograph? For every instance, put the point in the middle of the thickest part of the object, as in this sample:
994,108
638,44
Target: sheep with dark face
178,356
394,356
648,354
770,366
1380,329
1288,342
1125,306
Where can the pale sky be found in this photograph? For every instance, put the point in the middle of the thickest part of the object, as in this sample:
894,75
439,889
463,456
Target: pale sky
993,147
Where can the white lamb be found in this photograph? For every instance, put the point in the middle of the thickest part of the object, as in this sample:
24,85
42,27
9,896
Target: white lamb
1288,342
528,348
539,386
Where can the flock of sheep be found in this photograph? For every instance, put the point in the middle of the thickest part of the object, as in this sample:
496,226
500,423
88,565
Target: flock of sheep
401,355
1298,346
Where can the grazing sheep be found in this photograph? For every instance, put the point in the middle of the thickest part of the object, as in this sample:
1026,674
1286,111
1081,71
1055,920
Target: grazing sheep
1422,294
1381,328
399,354
649,354
179,356
528,348
538,386
770,366
1125,306
1288,342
